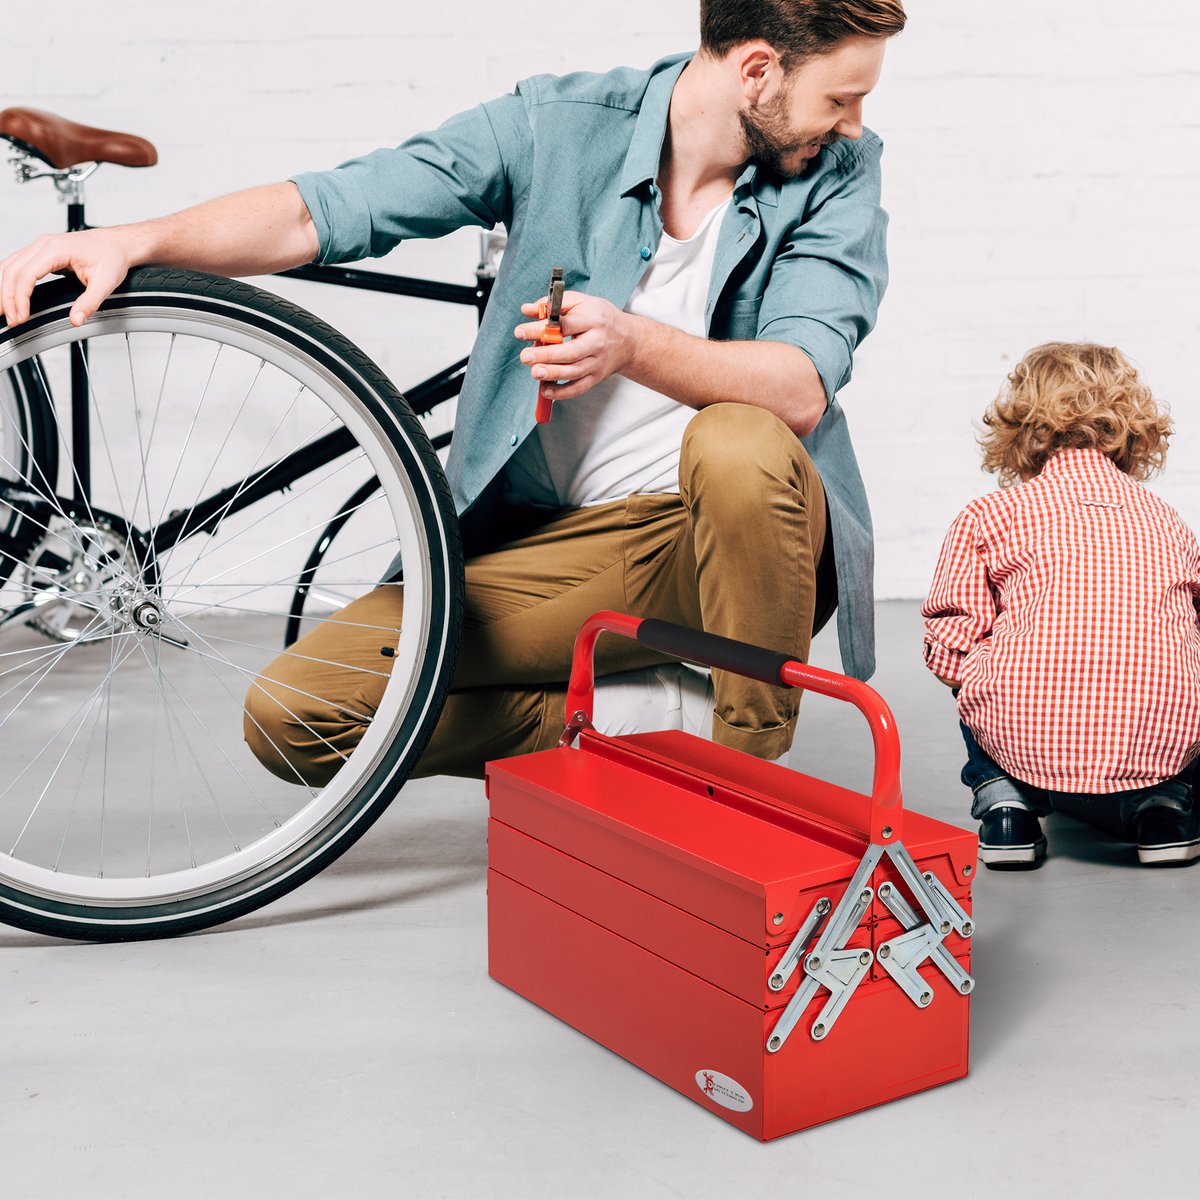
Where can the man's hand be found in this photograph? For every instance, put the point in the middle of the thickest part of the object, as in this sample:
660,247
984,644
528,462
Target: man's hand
99,258
696,371
599,344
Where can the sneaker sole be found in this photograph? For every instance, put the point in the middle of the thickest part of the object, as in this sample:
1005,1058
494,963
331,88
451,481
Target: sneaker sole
1015,857
1176,852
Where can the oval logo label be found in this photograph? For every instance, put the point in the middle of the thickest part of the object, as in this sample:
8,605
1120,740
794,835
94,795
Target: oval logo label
722,1090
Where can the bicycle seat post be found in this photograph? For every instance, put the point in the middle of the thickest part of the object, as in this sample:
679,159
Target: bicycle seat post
68,183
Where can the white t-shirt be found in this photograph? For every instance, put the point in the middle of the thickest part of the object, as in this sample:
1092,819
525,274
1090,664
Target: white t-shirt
622,438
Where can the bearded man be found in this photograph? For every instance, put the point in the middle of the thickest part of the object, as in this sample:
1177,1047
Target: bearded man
718,217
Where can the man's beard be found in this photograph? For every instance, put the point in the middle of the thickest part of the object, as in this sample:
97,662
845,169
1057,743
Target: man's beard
769,139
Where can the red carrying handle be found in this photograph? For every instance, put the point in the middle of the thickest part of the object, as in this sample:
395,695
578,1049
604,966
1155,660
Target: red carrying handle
767,666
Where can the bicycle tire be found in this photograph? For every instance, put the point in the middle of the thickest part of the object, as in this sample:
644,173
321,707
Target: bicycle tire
200,333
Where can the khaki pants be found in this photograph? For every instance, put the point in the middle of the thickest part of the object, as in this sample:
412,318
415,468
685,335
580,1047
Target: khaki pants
742,551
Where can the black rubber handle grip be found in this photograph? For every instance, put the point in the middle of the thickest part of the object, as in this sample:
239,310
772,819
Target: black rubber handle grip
725,654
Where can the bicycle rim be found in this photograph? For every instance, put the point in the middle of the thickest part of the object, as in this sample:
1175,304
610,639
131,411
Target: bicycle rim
141,604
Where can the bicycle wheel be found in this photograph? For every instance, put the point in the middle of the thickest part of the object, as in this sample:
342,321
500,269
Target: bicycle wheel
146,589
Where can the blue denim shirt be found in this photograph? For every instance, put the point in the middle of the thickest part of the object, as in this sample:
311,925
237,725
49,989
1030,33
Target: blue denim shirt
568,164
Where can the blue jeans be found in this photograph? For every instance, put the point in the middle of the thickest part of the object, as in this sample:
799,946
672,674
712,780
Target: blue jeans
1113,812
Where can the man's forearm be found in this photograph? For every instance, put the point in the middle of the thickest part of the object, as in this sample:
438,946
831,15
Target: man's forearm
699,372
256,232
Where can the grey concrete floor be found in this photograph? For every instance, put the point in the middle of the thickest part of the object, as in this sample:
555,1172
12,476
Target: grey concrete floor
348,1042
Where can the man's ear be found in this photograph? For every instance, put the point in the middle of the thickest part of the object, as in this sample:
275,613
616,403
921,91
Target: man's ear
759,71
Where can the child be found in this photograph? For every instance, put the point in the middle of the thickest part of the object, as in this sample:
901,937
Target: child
1063,613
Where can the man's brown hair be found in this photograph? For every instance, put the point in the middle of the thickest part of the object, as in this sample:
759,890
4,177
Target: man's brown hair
797,29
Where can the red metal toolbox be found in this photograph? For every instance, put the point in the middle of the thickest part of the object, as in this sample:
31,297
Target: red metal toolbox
779,949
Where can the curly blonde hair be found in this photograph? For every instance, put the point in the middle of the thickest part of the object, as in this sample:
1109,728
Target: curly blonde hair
1074,395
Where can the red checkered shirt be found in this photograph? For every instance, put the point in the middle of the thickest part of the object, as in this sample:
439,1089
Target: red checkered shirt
1067,607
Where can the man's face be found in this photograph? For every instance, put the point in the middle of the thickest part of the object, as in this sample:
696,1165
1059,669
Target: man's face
817,103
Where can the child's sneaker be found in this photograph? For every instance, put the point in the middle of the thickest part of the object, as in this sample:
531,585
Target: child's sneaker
1166,835
1011,838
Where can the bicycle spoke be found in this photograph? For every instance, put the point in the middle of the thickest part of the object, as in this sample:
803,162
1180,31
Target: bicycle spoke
221,450
145,454
266,612
217,657
187,441
67,453
219,748
292,498
98,408
290,580
143,482
78,783
95,696
104,754
283,758
49,496
325,662
245,482
156,668
45,671
304,533
54,736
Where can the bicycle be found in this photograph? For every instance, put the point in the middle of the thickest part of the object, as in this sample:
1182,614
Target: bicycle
168,473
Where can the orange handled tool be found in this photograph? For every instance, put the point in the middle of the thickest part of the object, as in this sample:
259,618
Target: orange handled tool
550,311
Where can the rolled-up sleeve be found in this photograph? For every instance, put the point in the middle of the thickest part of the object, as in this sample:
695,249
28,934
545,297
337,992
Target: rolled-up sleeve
961,608
830,275
465,172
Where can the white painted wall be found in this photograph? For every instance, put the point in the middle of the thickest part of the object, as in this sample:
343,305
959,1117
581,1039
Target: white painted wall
1041,174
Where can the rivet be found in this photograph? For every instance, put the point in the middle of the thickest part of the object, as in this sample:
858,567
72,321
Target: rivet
968,870
777,919
774,1044
887,832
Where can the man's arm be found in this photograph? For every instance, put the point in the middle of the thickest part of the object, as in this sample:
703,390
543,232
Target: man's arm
256,232
692,370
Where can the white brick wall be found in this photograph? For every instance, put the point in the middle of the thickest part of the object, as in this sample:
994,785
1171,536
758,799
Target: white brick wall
1041,174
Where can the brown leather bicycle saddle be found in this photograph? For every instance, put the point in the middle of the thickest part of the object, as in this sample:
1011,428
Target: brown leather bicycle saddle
63,143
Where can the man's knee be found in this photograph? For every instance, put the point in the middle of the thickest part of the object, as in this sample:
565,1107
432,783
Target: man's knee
308,710
292,733
737,450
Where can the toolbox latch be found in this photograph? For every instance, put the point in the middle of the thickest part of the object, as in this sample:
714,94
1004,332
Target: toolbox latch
840,970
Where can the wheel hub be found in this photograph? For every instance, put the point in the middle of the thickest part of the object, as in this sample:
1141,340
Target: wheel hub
86,580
